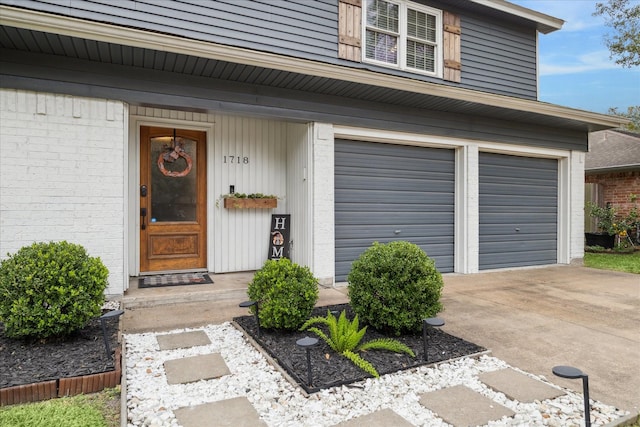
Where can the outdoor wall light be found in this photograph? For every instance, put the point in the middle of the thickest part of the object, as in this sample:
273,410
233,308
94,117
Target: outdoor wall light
430,322
108,315
247,304
307,343
573,374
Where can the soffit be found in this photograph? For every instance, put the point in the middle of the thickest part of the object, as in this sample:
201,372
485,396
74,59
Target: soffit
275,71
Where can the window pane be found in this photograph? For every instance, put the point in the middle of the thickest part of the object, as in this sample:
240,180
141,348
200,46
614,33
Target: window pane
382,47
382,15
173,198
421,25
420,56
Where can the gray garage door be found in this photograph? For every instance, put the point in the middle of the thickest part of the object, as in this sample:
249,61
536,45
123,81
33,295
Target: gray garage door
387,192
518,211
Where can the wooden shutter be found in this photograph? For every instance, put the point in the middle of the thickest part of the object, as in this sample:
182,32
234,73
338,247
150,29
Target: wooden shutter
350,30
451,47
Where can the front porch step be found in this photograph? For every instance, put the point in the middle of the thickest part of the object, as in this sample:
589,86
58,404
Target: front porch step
154,299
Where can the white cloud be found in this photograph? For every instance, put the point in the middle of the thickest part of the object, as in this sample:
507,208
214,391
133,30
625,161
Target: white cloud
591,61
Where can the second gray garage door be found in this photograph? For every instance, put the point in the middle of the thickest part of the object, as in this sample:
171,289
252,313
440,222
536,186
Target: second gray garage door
518,211
386,192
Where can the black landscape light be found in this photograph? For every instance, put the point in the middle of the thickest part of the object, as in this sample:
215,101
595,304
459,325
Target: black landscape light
307,343
430,322
573,374
247,304
108,315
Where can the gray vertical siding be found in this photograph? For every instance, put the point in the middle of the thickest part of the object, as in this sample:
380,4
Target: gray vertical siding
389,192
518,211
497,57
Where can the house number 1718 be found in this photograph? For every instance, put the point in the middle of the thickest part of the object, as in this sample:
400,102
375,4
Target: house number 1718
235,159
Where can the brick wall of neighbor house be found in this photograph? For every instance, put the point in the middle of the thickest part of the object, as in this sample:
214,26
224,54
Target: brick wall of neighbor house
62,166
617,187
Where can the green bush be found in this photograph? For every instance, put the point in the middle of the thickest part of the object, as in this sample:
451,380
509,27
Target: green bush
286,294
393,286
50,289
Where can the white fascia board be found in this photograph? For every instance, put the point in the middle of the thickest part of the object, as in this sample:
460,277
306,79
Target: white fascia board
73,27
547,23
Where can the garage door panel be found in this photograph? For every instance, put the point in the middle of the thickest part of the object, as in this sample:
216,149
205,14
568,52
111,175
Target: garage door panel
518,210
436,233
396,183
387,192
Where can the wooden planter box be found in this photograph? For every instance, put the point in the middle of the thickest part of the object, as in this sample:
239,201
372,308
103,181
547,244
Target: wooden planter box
247,203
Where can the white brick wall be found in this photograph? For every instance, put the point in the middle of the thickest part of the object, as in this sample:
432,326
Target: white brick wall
323,204
576,249
62,166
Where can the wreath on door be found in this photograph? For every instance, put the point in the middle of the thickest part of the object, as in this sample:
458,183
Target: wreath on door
170,155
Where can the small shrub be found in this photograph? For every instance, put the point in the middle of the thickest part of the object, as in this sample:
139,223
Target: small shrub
394,286
345,336
286,294
50,289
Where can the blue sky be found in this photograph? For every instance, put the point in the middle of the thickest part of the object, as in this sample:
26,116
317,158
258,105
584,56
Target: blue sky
575,69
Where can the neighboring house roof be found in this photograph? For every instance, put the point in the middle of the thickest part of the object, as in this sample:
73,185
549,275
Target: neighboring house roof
611,150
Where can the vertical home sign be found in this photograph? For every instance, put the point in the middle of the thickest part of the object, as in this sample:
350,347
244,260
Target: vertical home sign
279,236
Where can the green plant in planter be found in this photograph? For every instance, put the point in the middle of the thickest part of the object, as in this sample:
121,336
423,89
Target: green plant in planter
394,286
286,293
50,289
345,336
610,222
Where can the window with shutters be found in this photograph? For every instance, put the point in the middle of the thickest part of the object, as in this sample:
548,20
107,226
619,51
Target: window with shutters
402,35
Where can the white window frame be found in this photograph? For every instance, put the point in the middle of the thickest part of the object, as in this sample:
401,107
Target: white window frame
403,6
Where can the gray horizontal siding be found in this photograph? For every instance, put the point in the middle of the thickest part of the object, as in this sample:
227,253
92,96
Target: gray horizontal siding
497,57
518,211
389,192
172,90
307,29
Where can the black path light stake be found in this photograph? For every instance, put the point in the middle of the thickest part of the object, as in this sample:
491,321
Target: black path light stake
307,343
573,374
247,304
108,315
430,322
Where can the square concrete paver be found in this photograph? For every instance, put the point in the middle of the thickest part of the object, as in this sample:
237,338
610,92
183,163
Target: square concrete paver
518,386
236,412
381,418
461,406
182,340
195,368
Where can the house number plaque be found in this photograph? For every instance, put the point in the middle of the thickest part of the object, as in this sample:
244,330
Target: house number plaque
236,160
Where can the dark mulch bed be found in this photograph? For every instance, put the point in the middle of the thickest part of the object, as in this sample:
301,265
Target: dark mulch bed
82,353
330,369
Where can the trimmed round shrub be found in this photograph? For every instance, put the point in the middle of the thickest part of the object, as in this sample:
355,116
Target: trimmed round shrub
286,294
50,289
393,286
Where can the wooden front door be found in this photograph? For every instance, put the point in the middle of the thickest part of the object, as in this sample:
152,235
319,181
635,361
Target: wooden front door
173,216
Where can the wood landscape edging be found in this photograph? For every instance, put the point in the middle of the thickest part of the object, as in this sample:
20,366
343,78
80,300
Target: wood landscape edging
63,387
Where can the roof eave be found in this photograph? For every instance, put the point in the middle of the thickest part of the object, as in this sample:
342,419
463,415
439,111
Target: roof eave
73,27
544,23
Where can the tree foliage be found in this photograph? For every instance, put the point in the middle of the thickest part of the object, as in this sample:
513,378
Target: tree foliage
623,16
633,113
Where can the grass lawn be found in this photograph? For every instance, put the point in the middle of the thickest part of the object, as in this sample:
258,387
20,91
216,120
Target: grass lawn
628,263
92,410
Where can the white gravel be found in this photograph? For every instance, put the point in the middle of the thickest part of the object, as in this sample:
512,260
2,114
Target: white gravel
151,401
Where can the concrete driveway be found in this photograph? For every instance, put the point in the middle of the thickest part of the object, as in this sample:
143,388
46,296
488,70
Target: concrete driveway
535,319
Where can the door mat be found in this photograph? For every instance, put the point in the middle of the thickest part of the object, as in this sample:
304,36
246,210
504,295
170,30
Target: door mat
174,280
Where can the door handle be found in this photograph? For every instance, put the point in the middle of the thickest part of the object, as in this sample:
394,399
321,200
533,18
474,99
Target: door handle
143,214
